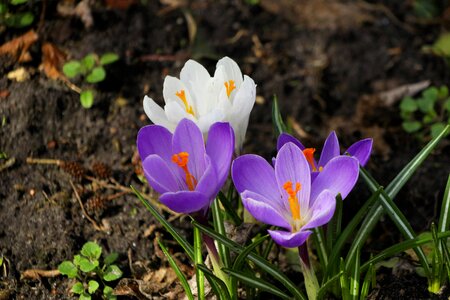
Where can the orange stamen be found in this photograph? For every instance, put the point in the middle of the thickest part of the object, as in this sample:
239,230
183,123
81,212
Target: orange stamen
182,95
229,85
182,159
309,154
293,199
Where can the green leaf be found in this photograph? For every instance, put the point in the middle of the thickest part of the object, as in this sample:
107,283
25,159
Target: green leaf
198,260
447,105
277,119
108,58
68,268
112,273
97,74
78,288
180,275
87,98
3,9
408,104
258,260
72,68
111,258
426,105
180,240
365,288
108,293
87,265
427,119
76,260
218,286
17,2
431,94
24,19
88,62
257,283
444,218
442,45
85,296
219,226
412,126
327,285
443,92
240,259
92,286
91,250
231,212
436,128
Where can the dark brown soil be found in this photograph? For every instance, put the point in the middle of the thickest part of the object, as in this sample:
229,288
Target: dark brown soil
327,75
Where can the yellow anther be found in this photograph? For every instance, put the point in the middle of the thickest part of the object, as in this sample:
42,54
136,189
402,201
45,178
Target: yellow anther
182,159
293,199
182,95
309,154
229,85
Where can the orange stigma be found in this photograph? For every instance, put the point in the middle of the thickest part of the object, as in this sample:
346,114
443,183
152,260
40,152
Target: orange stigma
182,95
182,159
309,154
293,199
229,85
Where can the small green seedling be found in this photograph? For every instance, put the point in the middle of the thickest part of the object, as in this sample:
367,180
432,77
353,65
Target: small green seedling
14,14
427,115
90,275
91,69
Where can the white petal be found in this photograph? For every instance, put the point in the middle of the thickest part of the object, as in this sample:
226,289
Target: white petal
212,117
232,70
172,86
156,114
175,113
245,97
193,72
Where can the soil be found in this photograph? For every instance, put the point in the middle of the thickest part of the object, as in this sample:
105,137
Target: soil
327,72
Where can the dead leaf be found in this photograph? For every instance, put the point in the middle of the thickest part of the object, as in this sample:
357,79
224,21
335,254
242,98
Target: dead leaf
52,61
19,75
4,94
36,274
392,96
119,4
320,14
18,47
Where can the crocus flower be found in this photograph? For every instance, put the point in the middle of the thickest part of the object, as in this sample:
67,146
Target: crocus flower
360,150
285,197
226,97
178,166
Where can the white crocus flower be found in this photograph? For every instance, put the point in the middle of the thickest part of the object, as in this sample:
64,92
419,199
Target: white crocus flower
226,97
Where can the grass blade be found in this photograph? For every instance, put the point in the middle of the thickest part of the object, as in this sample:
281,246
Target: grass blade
219,226
396,216
327,285
277,119
354,276
334,226
198,260
367,282
177,270
258,260
321,247
240,259
257,283
231,212
392,190
218,286
180,240
444,219
348,232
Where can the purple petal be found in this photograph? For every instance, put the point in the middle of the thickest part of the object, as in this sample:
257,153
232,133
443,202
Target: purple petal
184,201
251,172
154,139
160,176
263,210
288,239
330,149
322,211
339,176
291,165
286,138
220,147
361,150
188,138
208,184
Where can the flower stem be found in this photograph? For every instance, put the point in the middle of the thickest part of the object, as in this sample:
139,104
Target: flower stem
311,283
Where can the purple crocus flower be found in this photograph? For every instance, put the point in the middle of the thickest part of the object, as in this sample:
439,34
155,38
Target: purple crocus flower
179,167
285,197
360,150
